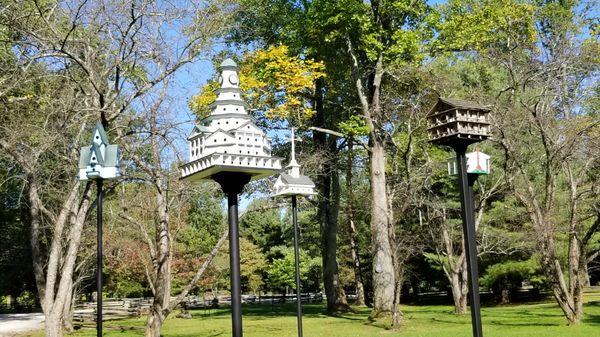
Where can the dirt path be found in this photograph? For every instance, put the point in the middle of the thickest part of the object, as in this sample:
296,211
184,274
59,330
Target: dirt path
14,324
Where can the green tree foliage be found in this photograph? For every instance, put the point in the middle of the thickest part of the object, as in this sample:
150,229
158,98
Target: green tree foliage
511,274
263,226
282,272
15,257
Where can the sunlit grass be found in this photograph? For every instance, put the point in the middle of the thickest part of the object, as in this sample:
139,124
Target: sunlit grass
279,321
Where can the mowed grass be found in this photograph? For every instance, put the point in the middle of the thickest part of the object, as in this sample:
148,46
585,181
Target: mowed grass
264,321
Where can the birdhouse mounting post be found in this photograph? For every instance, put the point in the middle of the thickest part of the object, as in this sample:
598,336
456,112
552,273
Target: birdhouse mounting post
232,185
229,148
99,161
458,123
466,182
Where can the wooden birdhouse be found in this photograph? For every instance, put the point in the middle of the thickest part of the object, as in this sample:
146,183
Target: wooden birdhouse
456,122
228,140
477,163
291,182
99,160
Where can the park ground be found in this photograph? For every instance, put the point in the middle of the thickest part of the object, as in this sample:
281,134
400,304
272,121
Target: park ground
524,320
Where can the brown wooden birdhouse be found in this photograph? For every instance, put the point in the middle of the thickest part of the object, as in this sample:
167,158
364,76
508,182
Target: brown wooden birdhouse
455,122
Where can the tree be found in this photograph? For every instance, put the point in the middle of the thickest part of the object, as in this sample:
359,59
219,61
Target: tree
149,148
71,64
282,274
549,140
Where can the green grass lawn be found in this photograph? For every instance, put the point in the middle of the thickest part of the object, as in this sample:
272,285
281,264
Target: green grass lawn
260,321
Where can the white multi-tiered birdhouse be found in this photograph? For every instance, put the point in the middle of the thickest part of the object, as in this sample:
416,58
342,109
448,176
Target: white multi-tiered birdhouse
101,159
477,163
291,182
228,140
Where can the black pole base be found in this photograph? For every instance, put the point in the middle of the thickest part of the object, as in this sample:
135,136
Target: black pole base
232,184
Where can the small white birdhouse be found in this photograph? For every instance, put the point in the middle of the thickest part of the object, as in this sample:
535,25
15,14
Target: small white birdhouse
101,159
291,182
228,140
477,163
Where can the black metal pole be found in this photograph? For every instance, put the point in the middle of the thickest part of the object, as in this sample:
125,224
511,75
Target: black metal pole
232,184
234,265
466,182
297,258
99,196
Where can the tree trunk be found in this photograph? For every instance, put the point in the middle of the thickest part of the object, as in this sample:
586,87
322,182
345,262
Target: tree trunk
397,315
53,324
329,209
459,297
162,267
34,221
360,290
67,315
328,186
154,322
383,266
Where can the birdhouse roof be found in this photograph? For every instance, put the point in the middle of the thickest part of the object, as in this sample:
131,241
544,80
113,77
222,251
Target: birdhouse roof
197,130
101,132
444,104
111,155
84,157
301,180
110,158
228,62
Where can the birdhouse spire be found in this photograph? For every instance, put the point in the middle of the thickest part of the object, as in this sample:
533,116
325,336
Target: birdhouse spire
293,166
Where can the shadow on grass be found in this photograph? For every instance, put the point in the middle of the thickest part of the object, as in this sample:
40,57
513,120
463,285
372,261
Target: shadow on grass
268,311
592,319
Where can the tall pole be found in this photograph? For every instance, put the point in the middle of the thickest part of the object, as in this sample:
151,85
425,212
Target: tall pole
232,184
297,262
468,218
99,196
234,265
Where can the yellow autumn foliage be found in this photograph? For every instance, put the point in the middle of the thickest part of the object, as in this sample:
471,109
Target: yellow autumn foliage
274,82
